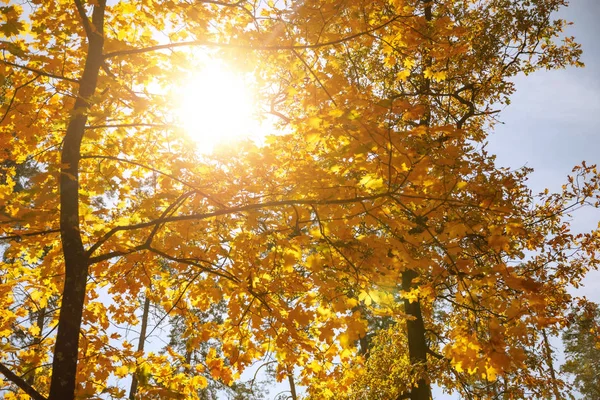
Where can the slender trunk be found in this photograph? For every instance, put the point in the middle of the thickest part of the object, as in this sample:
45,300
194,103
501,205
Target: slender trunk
64,365
548,355
364,347
141,342
417,346
427,62
188,355
292,385
39,322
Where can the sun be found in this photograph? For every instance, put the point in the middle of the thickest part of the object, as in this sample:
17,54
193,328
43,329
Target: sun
216,106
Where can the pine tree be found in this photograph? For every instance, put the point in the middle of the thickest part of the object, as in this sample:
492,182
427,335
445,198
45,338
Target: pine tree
582,349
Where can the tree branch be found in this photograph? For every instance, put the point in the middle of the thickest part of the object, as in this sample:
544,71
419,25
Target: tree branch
434,354
20,382
258,206
207,43
226,211
21,235
131,125
222,3
40,72
14,96
89,31
123,160
315,76
113,254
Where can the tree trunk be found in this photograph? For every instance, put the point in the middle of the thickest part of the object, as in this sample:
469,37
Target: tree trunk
294,396
30,375
64,365
417,346
550,362
141,342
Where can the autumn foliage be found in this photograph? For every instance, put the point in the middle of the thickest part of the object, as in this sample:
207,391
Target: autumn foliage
369,249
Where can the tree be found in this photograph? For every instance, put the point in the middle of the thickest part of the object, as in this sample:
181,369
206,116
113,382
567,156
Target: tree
196,353
377,189
582,349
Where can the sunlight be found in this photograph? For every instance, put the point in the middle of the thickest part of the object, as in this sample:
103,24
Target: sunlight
216,107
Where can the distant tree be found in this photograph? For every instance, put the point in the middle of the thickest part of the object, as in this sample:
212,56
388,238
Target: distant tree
582,349
196,354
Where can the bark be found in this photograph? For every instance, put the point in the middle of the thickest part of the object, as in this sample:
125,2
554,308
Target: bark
141,342
294,396
417,346
548,354
64,365
427,61
37,340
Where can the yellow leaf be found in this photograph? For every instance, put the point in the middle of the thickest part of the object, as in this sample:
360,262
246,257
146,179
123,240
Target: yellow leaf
402,75
336,113
365,298
345,340
461,185
499,242
122,371
199,381
34,330
354,115
412,295
35,295
315,366
408,63
439,76
371,182
314,122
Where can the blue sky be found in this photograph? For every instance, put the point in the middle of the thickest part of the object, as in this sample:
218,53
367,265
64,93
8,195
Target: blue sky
553,124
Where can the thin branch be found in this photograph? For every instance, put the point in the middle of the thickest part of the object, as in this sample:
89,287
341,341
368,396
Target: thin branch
292,385
20,382
119,253
131,125
106,69
40,72
123,160
89,31
434,354
258,206
231,210
21,235
276,113
14,96
176,302
169,46
168,211
315,76
222,3
256,373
